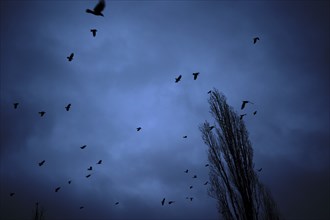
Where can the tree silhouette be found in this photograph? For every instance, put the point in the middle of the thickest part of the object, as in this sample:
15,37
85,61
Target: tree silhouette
39,214
233,181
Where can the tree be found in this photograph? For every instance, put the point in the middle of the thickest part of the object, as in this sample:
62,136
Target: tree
234,183
39,214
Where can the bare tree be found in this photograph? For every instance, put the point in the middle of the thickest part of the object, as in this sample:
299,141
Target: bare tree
234,183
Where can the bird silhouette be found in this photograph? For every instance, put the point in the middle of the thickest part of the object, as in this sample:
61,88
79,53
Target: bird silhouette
97,9
186,171
42,113
94,32
81,207
83,147
206,165
191,198
138,129
163,201
255,39
185,136
15,105
90,168
255,112
194,177
244,103
190,187
68,107
170,202
195,75
206,182
57,189
12,194
100,161
69,181
88,175
41,163
259,170
209,92
241,116
70,58
116,203
178,79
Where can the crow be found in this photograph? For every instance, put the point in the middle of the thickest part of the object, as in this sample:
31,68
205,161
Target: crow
138,129
195,75
97,9
57,189
163,201
190,187
69,181
185,136
41,163
244,103
255,39
259,170
170,202
81,207
241,116
68,107
194,177
255,112
82,147
116,203
94,32
178,79
70,58
100,161
15,105
206,182
12,194
88,175
42,113
186,171
206,165
90,168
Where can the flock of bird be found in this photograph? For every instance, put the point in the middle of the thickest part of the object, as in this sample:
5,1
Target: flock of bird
98,9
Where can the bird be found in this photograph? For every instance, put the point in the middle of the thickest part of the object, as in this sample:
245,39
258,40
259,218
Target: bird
68,107
163,201
88,175
186,171
191,198
100,161
241,116
90,168
206,182
255,39
94,32
116,203
97,9
259,170
82,147
70,58
15,105
57,189
42,113
209,92
12,194
178,79
255,112
69,181
185,136
170,202
81,207
206,165
190,187
42,163
244,103
194,177
138,129
195,75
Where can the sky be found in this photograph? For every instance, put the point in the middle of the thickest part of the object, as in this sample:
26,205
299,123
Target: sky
124,78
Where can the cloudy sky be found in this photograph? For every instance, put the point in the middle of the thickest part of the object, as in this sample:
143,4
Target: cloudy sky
124,78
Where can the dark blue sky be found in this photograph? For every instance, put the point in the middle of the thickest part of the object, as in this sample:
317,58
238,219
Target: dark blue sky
124,78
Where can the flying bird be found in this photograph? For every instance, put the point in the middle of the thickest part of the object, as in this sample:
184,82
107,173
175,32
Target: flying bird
81,207
57,189
255,112
244,103
163,201
206,182
15,105
70,58
69,181
12,194
116,203
97,9
241,116
100,161
170,202
138,129
90,168
88,175
255,39
178,79
68,107
194,177
94,32
41,163
206,165
185,136
195,75
42,113
190,187
191,198
209,92
83,147
259,170
186,171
